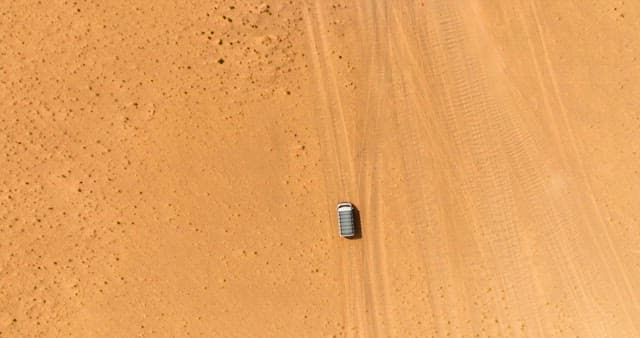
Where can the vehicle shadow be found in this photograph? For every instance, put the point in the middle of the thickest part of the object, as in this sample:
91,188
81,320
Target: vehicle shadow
357,223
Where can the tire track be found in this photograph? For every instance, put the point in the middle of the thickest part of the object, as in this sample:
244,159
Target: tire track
328,137
375,250
585,178
478,168
615,270
463,103
368,266
335,137
458,127
412,132
488,139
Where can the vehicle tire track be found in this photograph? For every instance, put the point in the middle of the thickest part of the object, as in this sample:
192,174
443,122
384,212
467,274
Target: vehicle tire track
328,146
600,224
335,139
471,123
377,75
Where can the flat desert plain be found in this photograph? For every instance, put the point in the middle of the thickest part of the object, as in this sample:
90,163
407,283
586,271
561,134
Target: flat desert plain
172,168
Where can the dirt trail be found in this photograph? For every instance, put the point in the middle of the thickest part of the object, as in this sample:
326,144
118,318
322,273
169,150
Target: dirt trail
495,212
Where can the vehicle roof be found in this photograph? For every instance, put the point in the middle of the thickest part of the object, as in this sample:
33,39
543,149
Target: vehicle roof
344,204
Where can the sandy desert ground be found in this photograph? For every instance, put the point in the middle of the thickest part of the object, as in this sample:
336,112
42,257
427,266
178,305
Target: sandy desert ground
171,168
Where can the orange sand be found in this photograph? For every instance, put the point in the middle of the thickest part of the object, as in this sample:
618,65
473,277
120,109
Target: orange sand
171,169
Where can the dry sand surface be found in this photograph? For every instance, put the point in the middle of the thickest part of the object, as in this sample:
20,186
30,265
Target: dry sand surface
171,168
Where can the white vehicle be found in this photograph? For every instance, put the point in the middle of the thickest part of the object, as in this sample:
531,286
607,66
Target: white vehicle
346,221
